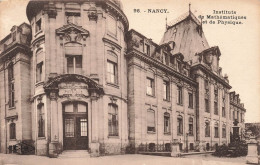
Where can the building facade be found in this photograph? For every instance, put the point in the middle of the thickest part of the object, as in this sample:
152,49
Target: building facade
77,78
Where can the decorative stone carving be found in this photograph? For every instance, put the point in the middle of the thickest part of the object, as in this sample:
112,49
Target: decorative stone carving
92,14
72,33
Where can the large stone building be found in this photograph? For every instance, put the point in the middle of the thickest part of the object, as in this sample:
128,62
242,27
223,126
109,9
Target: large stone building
77,78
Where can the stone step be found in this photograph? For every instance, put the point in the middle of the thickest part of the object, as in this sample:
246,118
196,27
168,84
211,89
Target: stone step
74,154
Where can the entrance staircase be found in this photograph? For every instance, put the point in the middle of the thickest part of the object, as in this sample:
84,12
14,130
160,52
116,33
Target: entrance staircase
74,154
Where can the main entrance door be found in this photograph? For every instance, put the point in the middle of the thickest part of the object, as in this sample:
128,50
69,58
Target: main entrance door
75,126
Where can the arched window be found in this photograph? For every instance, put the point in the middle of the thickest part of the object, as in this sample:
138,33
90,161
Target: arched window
150,120
112,120
190,126
41,120
12,131
224,133
207,128
216,135
112,68
11,84
179,125
166,122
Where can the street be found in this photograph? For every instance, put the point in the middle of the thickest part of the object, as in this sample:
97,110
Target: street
120,160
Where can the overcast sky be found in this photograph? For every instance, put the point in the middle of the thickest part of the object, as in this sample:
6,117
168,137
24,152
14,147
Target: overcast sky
239,44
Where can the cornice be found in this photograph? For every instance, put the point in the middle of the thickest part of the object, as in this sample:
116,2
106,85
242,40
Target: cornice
112,43
200,66
238,106
140,55
15,47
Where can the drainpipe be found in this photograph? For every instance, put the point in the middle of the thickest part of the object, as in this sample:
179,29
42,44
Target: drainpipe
5,112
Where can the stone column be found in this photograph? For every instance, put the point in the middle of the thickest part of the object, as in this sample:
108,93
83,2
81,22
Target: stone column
252,155
94,144
54,147
175,148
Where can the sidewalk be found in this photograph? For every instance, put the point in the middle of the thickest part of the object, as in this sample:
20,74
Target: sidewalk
118,160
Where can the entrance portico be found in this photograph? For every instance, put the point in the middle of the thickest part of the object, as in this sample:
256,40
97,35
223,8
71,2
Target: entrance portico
72,112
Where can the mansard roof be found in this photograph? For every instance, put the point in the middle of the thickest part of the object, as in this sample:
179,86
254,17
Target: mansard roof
187,34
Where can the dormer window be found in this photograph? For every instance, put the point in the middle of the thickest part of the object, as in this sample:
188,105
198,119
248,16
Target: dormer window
38,26
73,17
147,49
178,66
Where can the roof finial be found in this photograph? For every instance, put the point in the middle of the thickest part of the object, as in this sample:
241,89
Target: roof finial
166,22
189,8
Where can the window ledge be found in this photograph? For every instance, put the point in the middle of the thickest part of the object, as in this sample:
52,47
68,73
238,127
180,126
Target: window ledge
39,83
167,133
41,138
179,134
113,137
180,104
150,95
167,100
113,85
151,132
114,36
11,108
12,140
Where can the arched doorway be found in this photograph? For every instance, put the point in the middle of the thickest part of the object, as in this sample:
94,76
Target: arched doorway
75,126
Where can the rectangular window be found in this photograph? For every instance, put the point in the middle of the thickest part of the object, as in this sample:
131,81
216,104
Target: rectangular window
74,64
112,120
38,26
166,123
69,127
216,108
216,132
166,59
73,17
179,95
147,49
190,126
166,91
206,85
11,94
150,121
179,126
12,131
39,75
178,66
224,132
83,127
234,116
191,146
207,105
207,129
149,86
111,72
41,121
223,112
190,100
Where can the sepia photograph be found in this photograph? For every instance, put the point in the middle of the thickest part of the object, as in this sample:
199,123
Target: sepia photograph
129,82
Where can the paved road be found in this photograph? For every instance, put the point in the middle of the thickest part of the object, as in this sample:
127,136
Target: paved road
119,160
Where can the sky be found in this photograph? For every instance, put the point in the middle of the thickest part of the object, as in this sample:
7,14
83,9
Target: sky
239,44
